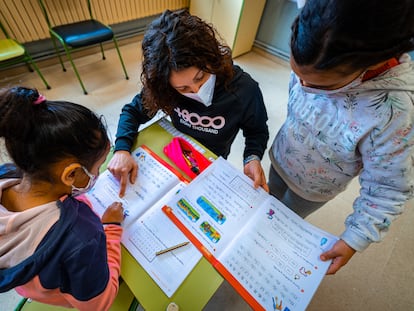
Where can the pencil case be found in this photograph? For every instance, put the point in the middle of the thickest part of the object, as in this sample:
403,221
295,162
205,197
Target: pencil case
186,157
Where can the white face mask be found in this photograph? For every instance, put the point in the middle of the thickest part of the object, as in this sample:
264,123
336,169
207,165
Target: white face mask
92,180
205,93
354,83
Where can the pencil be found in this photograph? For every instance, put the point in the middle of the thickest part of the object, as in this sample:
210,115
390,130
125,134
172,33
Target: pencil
169,249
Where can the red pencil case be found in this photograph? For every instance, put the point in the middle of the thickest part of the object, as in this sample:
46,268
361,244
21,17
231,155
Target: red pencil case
186,157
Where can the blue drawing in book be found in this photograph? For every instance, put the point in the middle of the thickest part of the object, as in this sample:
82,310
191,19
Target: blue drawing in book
270,213
210,232
188,210
277,306
140,156
210,209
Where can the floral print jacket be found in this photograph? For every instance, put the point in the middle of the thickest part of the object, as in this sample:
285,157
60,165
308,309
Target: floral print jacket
363,129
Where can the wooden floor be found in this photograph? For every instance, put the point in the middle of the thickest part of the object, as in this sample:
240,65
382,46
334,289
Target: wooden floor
381,278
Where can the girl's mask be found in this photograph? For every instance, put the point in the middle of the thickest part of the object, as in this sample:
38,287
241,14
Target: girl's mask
205,93
92,180
354,83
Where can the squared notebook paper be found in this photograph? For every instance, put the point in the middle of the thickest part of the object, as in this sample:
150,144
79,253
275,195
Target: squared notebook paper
147,230
264,250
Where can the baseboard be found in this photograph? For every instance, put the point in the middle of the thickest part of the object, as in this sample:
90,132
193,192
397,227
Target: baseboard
275,58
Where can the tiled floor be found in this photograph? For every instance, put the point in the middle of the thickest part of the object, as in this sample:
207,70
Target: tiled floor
381,278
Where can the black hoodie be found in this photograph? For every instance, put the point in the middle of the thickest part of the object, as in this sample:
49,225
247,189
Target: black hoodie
238,106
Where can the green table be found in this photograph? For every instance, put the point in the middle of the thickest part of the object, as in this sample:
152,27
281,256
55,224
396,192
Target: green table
199,285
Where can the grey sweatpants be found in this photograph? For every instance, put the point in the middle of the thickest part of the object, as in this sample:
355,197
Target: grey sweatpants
280,190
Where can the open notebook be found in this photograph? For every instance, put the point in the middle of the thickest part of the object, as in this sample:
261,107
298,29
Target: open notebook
264,250
147,230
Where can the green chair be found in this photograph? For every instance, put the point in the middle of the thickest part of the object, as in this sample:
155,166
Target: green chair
12,52
78,32
124,301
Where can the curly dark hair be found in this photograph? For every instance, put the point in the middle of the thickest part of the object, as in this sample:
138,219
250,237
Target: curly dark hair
175,41
39,133
355,33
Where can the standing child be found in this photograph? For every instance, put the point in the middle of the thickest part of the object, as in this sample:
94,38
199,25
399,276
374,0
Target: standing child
54,248
350,113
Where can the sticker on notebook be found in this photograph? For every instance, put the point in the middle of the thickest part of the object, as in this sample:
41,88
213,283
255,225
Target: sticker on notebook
188,210
210,232
210,209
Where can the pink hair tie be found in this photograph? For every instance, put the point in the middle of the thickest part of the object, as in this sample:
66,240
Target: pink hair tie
39,100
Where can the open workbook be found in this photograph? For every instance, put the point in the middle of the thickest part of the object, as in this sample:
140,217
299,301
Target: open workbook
147,230
264,250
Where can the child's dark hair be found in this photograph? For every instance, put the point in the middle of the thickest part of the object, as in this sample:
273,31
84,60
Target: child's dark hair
354,33
175,41
39,132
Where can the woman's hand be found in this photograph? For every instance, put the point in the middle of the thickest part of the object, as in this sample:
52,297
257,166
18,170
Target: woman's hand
254,170
121,165
114,213
340,254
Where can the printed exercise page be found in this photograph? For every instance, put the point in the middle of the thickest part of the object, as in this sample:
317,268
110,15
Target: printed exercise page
154,232
276,258
217,204
153,181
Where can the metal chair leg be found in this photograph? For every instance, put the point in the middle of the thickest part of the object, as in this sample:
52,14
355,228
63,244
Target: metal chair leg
102,51
120,57
37,70
57,51
134,305
74,68
28,66
21,304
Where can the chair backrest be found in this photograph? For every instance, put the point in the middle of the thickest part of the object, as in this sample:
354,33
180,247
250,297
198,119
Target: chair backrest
13,52
9,48
60,12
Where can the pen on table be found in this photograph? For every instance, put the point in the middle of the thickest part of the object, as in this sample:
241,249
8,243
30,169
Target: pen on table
169,249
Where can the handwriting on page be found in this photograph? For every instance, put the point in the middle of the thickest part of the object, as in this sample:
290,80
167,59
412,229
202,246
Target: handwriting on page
224,193
243,189
153,180
288,264
159,175
145,241
271,254
217,206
